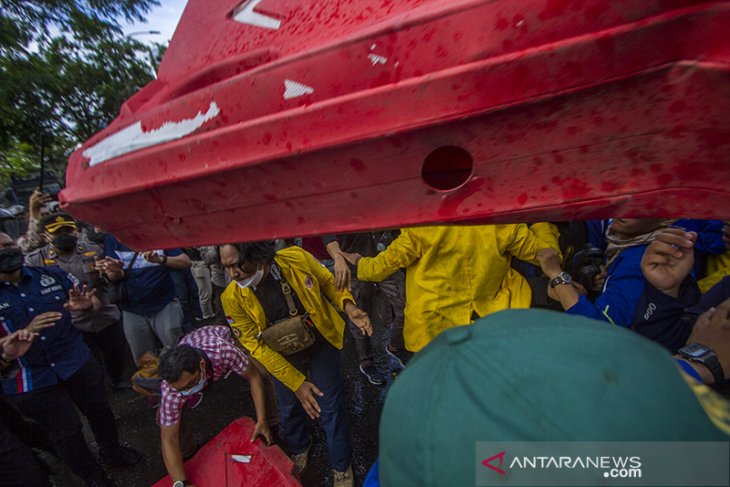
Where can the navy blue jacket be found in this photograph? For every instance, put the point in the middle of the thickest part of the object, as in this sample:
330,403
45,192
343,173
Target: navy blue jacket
668,320
60,350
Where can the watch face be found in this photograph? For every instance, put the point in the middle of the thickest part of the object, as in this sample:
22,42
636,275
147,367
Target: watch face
694,350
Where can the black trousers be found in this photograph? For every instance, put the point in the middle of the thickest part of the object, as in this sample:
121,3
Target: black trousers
18,465
53,409
110,349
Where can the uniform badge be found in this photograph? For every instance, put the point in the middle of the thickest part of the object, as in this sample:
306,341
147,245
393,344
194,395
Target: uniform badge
308,282
47,280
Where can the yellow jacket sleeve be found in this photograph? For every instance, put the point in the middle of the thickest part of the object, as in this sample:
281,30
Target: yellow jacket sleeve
401,253
520,242
239,310
327,283
548,234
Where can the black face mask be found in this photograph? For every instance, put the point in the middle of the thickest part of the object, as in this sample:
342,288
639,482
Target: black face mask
11,259
65,242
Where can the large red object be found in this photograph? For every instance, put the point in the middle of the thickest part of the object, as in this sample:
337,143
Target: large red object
279,118
231,460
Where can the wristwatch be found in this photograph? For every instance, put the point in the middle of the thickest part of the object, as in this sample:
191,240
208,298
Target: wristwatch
694,352
562,278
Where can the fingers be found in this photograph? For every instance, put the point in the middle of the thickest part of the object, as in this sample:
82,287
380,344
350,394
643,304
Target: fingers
678,237
719,317
664,247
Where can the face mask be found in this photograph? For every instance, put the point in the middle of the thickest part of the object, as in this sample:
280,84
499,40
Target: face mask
254,280
197,387
65,242
11,259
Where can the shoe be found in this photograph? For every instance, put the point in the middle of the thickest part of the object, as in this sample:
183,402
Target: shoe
343,479
120,456
373,375
300,459
402,355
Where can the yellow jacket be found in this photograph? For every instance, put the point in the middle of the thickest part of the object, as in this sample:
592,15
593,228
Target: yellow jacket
455,271
309,279
718,266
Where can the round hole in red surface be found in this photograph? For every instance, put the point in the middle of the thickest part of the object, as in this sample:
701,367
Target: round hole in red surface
447,168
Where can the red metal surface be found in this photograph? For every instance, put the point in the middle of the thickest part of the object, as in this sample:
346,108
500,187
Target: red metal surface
213,465
568,109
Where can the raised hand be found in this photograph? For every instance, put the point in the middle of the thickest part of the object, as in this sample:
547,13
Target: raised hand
669,259
80,299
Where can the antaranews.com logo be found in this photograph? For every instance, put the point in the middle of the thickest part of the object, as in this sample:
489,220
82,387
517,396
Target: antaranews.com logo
621,464
612,467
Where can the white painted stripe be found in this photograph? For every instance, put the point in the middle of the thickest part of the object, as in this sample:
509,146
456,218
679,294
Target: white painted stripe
292,89
244,14
133,138
375,59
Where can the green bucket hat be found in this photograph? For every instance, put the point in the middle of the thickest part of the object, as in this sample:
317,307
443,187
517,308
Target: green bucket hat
532,375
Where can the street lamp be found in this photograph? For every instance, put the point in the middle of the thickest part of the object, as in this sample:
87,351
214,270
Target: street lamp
143,32
149,51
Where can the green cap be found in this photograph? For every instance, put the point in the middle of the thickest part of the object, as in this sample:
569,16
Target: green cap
530,375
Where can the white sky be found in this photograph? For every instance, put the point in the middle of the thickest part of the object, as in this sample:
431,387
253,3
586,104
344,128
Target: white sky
163,18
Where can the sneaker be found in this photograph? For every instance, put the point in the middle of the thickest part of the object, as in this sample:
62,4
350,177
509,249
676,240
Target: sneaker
373,375
300,459
120,456
343,479
402,355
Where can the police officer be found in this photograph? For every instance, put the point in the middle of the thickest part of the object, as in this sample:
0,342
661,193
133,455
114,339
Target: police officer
102,331
58,371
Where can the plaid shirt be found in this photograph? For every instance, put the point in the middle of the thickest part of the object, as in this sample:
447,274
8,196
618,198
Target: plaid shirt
225,357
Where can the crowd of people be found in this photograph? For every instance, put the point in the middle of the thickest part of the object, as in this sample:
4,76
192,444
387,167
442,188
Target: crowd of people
75,301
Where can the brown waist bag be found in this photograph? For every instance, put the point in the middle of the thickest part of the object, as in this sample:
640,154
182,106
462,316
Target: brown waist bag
290,335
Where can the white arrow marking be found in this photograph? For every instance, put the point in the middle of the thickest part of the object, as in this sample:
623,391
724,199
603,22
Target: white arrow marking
133,138
294,89
244,14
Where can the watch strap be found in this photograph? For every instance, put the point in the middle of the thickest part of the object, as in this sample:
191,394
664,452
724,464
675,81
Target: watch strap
708,359
562,278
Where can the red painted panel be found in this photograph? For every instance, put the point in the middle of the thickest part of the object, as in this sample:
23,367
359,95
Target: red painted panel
568,109
215,465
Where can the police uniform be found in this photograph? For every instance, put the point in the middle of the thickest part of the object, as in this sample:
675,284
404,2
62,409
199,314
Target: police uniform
58,371
102,331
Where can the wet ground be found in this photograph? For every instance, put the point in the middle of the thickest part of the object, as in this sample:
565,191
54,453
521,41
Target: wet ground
230,399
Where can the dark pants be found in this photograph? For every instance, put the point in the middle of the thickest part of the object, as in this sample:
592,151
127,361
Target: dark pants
186,291
388,328
110,349
53,408
324,370
18,466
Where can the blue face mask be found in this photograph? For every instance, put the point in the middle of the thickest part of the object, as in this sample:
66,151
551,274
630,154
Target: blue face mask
197,387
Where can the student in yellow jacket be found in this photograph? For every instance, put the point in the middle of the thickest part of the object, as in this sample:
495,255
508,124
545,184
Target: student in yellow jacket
309,381
456,274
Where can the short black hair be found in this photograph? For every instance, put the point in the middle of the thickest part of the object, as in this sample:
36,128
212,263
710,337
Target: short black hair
255,252
176,360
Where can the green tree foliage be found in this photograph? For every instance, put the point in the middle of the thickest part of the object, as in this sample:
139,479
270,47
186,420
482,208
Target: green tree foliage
65,70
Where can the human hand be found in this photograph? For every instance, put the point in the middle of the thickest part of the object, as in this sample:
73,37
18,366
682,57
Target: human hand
43,321
359,317
113,269
599,280
342,273
262,429
17,344
306,394
352,258
549,261
154,257
712,329
37,201
80,299
669,259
